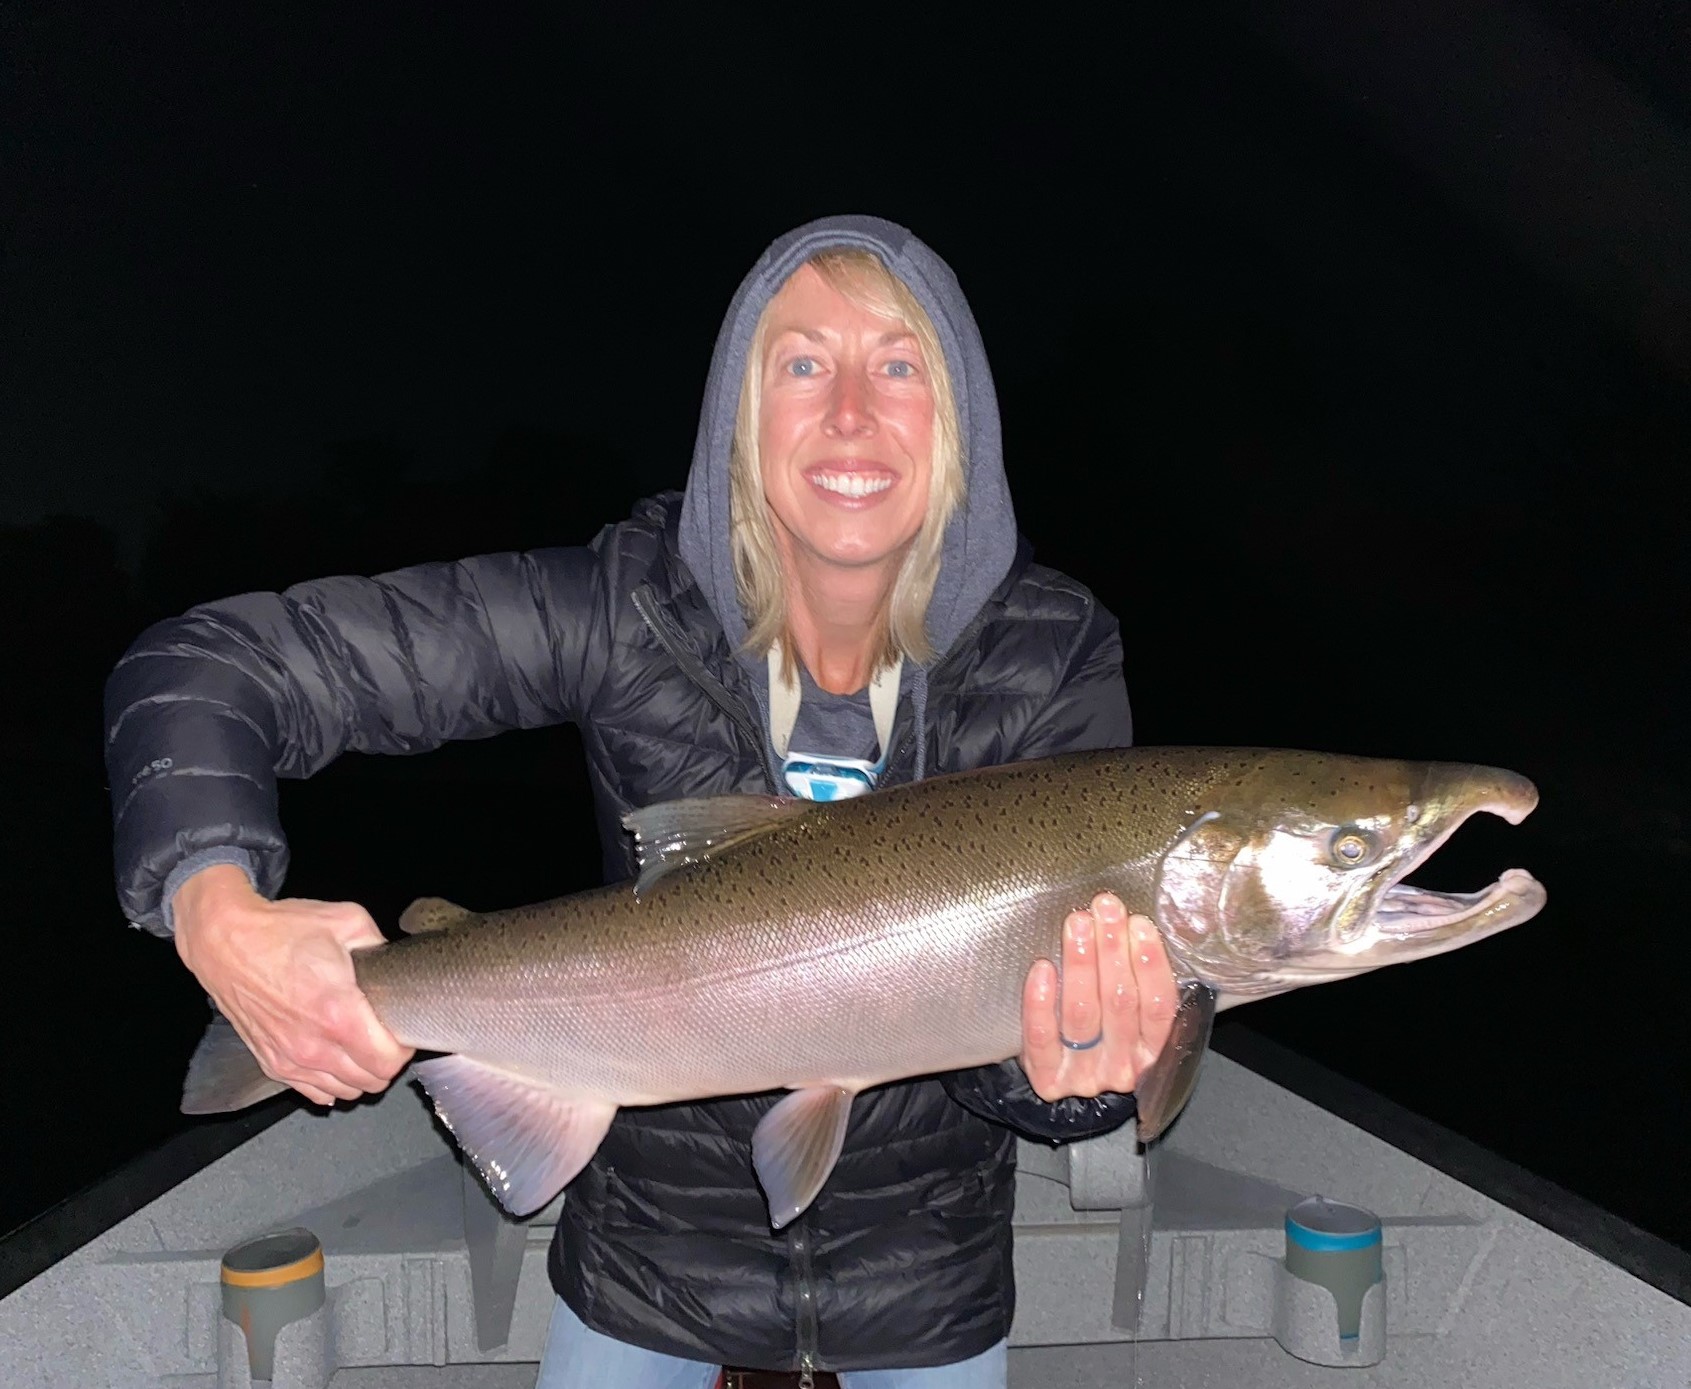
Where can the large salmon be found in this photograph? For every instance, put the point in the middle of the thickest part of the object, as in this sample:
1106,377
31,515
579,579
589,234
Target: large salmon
779,944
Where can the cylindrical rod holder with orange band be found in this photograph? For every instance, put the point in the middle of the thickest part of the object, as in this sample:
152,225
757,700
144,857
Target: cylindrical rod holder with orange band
270,1284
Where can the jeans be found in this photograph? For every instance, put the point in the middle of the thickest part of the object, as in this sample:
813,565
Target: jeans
579,1358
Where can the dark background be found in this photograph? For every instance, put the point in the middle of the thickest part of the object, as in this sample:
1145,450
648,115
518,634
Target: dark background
1348,366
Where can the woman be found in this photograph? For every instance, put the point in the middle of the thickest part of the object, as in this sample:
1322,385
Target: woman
837,602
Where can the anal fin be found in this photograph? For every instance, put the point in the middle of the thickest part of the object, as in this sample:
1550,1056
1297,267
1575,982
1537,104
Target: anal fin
795,1147
527,1140
1168,1083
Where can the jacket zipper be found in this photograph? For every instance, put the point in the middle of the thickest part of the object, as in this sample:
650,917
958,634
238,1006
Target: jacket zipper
798,1236
804,1300
694,670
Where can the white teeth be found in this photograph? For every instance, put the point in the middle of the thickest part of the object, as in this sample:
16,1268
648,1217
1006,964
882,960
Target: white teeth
851,484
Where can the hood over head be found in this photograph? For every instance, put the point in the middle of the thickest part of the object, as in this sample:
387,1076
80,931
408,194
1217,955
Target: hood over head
980,540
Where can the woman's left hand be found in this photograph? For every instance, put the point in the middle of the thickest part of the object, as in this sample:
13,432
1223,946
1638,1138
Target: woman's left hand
1115,1004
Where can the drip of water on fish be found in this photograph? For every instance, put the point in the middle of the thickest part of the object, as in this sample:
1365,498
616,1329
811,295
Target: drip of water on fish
775,944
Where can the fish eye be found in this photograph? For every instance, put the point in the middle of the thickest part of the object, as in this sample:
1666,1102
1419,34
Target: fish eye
1350,848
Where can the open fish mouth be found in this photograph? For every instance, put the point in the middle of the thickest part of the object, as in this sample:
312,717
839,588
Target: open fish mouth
1409,913
1421,920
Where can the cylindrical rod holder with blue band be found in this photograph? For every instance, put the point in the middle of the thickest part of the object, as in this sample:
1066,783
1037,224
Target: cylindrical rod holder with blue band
1330,1304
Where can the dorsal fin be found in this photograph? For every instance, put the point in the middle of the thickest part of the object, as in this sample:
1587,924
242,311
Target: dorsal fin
432,914
674,833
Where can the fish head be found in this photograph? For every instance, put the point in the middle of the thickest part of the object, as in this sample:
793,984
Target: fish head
1290,869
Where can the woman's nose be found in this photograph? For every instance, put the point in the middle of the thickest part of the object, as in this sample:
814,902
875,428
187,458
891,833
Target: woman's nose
850,409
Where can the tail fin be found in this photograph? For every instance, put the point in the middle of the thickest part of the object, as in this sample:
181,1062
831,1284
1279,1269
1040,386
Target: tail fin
224,1075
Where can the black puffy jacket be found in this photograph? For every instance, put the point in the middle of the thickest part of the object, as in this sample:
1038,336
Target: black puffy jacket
664,1241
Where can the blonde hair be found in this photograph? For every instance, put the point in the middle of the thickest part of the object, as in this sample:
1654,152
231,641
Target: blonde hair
864,280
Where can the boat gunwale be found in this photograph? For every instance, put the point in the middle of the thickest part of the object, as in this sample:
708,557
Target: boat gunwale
58,1232
1649,1257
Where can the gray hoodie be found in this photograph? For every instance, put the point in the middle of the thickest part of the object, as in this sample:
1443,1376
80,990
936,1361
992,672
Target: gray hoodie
980,541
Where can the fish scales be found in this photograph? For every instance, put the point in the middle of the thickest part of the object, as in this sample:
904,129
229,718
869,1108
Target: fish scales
897,931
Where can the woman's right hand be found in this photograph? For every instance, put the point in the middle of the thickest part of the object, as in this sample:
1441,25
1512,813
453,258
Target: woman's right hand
281,972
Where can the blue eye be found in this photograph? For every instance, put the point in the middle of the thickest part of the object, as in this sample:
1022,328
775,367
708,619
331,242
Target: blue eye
802,366
901,369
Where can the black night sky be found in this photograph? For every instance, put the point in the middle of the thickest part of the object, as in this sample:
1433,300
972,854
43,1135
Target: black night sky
1346,359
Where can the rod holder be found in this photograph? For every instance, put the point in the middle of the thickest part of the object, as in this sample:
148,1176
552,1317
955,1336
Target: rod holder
275,1325
1330,1289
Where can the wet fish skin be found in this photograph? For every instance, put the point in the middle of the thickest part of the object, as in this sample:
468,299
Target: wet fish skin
824,948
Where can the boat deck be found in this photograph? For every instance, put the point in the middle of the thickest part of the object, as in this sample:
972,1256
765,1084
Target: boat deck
430,1285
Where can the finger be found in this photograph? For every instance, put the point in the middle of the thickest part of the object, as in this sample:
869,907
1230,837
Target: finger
355,927
1159,995
1042,1046
1119,994
318,1086
300,1048
1081,1012
343,1073
371,1048
317,1057
325,1087
372,1055
325,1077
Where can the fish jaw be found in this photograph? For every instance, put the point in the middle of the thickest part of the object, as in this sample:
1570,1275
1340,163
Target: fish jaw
1262,889
1413,923
1385,909
1416,923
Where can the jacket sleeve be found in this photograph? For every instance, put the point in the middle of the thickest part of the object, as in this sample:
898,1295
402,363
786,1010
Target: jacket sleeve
206,710
1088,709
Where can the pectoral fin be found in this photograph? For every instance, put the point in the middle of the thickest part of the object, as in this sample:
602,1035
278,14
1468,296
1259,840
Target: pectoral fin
1163,1090
795,1146
527,1140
